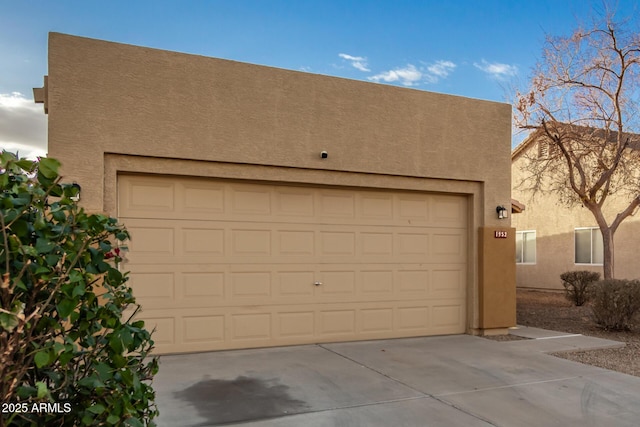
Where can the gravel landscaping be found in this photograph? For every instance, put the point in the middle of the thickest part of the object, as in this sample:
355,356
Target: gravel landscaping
550,310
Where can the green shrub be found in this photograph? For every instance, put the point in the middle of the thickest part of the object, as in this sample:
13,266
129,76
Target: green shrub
577,284
63,337
615,302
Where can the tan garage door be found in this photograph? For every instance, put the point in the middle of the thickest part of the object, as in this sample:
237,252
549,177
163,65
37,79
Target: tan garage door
221,264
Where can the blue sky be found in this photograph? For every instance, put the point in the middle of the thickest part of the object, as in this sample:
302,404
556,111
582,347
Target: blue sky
474,48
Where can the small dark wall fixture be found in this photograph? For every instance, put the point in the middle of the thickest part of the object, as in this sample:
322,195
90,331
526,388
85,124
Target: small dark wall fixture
501,211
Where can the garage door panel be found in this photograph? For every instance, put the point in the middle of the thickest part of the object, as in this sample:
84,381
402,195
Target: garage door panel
447,316
254,241
413,319
413,244
154,289
190,286
293,203
333,323
413,282
449,211
202,241
254,327
377,244
379,206
142,196
193,198
196,244
203,200
448,244
250,200
377,282
210,286
295,285
448,282
229,264
162,287
448,247
258,326
337,243
296,325
164,329
376,320
249,285
204,329
413,210
151,241
296,243
337,284
336,204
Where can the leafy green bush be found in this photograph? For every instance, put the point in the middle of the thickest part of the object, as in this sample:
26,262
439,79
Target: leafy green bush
65,345
615,303
577,284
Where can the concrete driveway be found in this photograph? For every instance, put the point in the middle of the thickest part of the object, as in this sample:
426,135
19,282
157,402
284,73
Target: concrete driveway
436,381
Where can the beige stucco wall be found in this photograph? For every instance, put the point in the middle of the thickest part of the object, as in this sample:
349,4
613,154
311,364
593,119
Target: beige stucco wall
115,107
497,296
555,226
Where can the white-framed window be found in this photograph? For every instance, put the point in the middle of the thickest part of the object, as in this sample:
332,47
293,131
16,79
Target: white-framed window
588,246
526,247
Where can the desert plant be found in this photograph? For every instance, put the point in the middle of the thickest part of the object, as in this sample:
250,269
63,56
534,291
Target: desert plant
577,284
68,356
615,302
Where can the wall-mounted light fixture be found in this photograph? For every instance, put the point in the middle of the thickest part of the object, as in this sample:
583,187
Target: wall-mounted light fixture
502,212
324,154
76,196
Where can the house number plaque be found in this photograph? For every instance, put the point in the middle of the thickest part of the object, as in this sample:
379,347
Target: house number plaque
500,234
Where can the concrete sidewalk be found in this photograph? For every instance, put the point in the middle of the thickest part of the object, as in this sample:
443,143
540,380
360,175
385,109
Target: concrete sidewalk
435,381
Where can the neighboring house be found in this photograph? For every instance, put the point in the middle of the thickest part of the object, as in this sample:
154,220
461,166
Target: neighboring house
274,207
553,238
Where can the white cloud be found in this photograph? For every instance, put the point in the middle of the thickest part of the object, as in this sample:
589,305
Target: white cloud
408,76
411,75
357,62
23,125
496,69
441,68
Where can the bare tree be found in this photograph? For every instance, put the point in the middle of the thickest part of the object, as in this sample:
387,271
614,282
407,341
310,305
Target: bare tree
583,105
